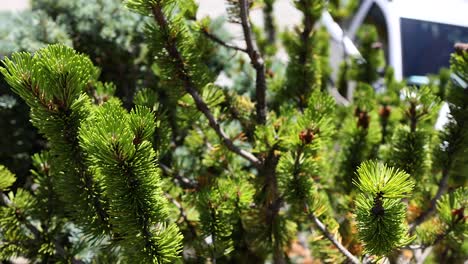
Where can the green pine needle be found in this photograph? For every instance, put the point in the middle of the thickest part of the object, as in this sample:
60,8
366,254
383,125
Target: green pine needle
375,178
120,151
6,178
380,212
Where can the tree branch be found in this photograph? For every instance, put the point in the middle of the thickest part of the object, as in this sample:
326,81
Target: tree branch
172,50
182,214
421,252
269,21
37,234
221,42
330,237
424,254
305,53
203,107
432,207
257,63
183,181
305,37
4,199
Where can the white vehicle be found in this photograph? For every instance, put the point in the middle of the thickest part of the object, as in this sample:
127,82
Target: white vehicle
417,35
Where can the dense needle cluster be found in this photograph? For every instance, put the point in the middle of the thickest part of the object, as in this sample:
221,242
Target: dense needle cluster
206,150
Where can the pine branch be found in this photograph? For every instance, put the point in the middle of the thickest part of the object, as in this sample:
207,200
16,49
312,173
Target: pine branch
450,209
424,254
173,52
57,108
216,39
274,201
183,181
304,70
424,215
190,226
121,153
257,63
380,213
60,250
4,199
454,135
421,252
305,37
269,21
321,226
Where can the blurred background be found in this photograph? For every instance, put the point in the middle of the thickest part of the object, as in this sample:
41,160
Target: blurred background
409,40
14,4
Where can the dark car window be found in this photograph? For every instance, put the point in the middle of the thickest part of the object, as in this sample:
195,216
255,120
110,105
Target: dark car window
426,46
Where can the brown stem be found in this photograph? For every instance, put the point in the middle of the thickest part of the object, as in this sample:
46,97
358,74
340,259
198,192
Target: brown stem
269,22
304,54
37,234
413,117
221,42
189,86
273,201
4,199
183,181
182,214
332,239
305,37
432,207
256,61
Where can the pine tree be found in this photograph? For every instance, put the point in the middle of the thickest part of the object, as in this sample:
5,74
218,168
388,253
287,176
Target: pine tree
239,172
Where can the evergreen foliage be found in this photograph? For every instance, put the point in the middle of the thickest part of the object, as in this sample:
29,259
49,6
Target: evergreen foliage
452,210
360,135
26,31
367,70
452,155
105,30
410,147
7,178
189,169
121,154
31,224
308,52
380,211
341,10
52,83
110,34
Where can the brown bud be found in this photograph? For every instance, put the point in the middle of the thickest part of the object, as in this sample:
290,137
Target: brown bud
45,168
306,136
385,111
363,120
270,73
59,103
458,214
137,141
378,209
357,111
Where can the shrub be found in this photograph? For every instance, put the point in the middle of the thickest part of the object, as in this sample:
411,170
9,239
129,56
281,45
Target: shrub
242,171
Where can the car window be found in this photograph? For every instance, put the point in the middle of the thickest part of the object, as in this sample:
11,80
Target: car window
426,46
